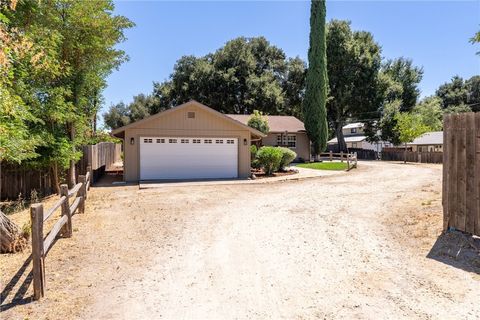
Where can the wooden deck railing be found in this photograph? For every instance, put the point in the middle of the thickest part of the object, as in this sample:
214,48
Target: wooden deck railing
40,244
350,158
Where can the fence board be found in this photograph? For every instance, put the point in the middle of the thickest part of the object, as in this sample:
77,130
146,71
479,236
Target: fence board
477,174
461,172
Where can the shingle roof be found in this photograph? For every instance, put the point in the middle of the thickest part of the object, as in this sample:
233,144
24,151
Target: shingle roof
349,139
276,123
435,137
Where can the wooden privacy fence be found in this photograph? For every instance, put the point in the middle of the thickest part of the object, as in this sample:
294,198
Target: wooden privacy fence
40,244
461,172
21,180
412,156
350,158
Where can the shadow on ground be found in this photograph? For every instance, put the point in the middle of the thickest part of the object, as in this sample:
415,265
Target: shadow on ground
19,297
458,250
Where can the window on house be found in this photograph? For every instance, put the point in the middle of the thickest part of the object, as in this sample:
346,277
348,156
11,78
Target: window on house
148,140
184,141
219,141
354,145
353,130
279,140
160,140
196,141
292,141
207,141
172,140
230,141
191,115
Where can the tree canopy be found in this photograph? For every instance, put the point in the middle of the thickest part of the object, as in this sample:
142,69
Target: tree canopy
55,84
259,121
353,72
245,74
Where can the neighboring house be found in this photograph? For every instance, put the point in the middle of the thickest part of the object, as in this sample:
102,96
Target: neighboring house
355,138
428,142
191,141
285,131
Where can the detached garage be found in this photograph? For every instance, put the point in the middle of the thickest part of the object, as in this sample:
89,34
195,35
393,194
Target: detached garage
191,141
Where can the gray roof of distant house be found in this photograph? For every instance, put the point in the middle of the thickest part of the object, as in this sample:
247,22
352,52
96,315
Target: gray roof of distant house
349,139
353,125
435,137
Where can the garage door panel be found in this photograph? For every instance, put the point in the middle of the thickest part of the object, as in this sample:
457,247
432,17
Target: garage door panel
208,158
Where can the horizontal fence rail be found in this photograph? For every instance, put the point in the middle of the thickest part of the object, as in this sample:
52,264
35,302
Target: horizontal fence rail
350,158
63,226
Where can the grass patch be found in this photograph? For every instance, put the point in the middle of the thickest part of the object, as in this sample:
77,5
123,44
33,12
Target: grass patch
324,165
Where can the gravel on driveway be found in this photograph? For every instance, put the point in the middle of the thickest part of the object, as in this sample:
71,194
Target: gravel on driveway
349,245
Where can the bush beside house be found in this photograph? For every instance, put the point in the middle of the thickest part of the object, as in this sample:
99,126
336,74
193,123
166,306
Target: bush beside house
272,159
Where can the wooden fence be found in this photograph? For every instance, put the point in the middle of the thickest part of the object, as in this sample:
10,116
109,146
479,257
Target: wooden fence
350,158
461,172
412,156
40,244
21,180
365,154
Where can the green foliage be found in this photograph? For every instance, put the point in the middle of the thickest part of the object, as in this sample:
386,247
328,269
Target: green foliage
287,157
316,83
431,113
259,121
457,109
324,165
253,150
244,75
269,158
54,59
409,126
405,77
354,60
476,39
459,92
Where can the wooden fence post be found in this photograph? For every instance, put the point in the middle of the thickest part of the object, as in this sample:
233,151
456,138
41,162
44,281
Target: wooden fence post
356,158
67,228
82,192
341,156
348,161
331,155
89,169
36,215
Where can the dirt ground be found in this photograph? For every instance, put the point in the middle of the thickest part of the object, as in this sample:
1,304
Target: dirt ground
365,244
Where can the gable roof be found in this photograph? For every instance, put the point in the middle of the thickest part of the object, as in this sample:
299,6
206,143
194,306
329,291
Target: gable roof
434,137
275,123
120,130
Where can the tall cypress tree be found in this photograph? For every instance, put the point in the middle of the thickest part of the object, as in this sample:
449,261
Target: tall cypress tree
316,82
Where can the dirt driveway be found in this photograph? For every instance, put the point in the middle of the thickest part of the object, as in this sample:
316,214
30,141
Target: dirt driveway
353,245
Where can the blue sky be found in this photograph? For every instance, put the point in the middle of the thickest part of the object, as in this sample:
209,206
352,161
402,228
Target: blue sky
434,34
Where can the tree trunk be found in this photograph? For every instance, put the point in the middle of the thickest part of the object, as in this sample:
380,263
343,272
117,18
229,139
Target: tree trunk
71,170
11,238
342,146
55,181
405,154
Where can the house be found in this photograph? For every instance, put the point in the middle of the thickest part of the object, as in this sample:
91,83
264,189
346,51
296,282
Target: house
355,138
285,131
428,142
190,141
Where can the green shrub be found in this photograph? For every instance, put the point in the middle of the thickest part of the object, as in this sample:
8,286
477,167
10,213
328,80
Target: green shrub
287,157
269,159
253,151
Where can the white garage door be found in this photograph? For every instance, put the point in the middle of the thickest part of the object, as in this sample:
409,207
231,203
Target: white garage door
188,158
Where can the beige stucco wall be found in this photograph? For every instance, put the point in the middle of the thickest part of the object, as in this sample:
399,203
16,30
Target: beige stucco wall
176,124
303,144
